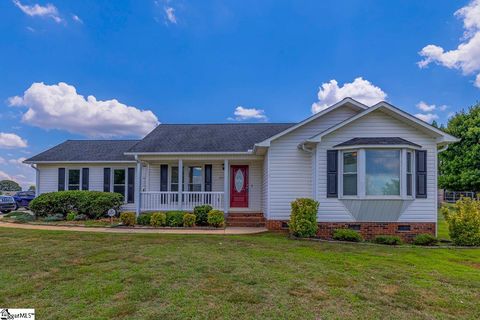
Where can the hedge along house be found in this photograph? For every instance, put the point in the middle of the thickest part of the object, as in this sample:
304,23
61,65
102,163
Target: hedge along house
373,169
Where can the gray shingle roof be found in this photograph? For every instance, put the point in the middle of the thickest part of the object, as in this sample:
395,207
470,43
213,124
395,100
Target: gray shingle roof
207,137
377,141
87,150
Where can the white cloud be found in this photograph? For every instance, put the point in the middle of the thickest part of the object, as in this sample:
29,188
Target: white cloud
360,89
18,161
47,11
170,15
5,176
76,18
425,107
466,57
427,117
11,140
2,160
60,107
242,113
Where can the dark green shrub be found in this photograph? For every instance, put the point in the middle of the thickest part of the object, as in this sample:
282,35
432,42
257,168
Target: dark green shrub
144,219
54,217
425,239
71,216
390,240
303,219
128,218
175,218
158,219
216,218
80,217
94,204
201,212
464,222
19,216
189,220
347,235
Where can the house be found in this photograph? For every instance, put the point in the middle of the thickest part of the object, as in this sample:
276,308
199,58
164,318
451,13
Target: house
373,169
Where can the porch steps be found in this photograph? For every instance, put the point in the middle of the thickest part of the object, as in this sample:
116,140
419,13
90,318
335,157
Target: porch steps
245,220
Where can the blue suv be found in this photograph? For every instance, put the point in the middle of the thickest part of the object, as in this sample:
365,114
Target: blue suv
23,198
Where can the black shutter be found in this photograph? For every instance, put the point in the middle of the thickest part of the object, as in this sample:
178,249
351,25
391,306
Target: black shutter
164,177
421,173
208,177
85,178
131,185
332,173
61,179
106,179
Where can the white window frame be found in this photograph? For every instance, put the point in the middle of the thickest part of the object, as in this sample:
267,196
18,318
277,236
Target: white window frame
186,183
112,181
67,178
361,173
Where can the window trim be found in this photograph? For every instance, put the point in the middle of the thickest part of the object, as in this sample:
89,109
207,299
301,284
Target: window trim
112,182
186,172
361,173
67,179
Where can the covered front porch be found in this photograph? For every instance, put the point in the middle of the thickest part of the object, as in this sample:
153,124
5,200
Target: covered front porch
228,184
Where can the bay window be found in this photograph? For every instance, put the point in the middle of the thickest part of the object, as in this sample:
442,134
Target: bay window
376,172
382,172
350,173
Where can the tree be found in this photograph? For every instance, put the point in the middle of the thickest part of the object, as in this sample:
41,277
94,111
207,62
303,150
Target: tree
31,188
459,165
434,123
9,185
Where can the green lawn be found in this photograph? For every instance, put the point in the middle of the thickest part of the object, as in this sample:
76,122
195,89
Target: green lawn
69,275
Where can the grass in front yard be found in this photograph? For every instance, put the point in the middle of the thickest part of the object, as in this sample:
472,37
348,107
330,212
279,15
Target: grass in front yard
68,275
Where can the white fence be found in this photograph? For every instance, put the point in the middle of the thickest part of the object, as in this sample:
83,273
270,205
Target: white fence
454,196
160,201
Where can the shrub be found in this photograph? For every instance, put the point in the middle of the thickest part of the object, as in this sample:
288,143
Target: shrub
425,239
201,212
80,217
71,216
347,235
19,216
94,204
175,218
464,222
128,218
216,218
303,219
390,240
158,219
189,220
54,217
144,219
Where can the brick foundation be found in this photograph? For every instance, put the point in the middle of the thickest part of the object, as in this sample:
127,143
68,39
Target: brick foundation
367,229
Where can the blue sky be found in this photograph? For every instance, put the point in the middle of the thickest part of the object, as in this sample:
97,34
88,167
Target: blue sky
221,61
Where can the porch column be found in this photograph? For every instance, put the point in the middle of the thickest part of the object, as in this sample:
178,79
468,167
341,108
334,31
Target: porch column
138,188
180,183
226,189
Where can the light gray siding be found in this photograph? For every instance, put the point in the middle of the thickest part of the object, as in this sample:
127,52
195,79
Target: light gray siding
290,169
265,186
378,124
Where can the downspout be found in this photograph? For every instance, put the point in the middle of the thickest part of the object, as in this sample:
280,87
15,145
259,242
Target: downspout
37,179
304,148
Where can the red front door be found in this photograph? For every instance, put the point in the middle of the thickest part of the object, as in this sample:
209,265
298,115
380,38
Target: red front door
239,186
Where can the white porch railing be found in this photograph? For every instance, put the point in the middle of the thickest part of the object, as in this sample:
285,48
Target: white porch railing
153,201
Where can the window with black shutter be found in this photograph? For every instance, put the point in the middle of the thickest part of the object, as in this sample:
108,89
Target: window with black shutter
61,179
208,177
332,173
131,185
164,177
85,178
421,173
106,179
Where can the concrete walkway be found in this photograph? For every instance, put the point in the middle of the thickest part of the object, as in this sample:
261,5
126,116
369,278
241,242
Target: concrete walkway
227,231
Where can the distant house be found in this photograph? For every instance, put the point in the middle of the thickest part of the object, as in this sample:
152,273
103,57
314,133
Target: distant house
373,169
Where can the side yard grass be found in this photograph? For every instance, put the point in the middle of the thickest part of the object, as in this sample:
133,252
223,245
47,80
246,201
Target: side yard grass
68,275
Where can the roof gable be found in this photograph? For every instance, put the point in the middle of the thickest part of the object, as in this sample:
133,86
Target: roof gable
441,137
344,102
